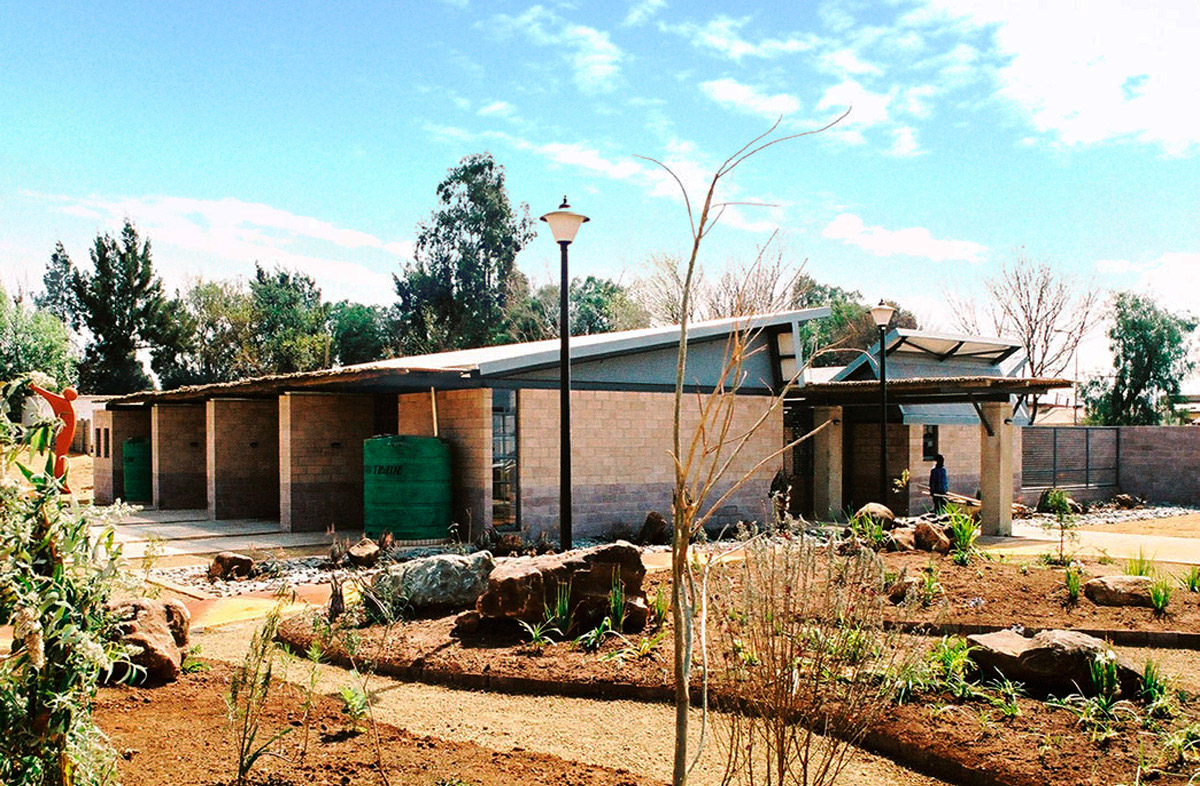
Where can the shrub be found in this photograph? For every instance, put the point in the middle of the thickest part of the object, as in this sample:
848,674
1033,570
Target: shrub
1064,523
1191,580
248,692
1160,596
963,532
355,706
1141,565
660,606
56,574
616,603
558,612
869,530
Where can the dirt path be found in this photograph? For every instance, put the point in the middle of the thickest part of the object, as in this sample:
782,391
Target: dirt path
634,735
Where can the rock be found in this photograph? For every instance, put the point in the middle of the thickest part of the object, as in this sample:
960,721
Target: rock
521,588
902,539
230,565
1126,501
655,531
160,629
443,581
1119,591
1056,660
466,624
881,513
1020,511
898,592
364,554
931,537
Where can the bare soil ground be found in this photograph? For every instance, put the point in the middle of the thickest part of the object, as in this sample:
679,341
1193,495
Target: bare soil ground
79,473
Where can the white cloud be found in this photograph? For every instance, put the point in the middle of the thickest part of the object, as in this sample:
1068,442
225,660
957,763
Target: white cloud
1090,72
913,241
593,57
869,109
641,11
722,34
498,109
846,61
746,98
243,233
904,143
1173,279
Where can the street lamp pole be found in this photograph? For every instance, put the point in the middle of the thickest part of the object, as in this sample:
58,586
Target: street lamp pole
882,315
563,225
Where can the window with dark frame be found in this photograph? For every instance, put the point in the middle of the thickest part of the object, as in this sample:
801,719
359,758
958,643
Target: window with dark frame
929,443
106,443
505,513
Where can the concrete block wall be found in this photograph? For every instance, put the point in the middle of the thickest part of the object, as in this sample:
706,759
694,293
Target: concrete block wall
861,454
108,471
465,421
242,456
620,462
960,444
321,459
178,450
1160,464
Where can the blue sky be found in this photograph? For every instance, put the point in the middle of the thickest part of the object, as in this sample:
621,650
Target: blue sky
313,134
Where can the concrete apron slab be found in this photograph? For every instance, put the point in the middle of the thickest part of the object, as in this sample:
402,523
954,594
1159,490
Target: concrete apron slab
1031,540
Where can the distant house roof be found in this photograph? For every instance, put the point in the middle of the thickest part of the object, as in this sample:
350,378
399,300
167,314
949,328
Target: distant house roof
634,359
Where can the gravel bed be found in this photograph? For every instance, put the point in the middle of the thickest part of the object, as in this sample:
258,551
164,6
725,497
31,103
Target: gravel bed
1113,515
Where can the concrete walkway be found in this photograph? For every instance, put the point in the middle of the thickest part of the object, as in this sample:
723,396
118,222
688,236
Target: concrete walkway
1032,540
188,537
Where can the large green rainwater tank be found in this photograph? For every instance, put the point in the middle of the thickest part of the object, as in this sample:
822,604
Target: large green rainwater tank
136,463
406,487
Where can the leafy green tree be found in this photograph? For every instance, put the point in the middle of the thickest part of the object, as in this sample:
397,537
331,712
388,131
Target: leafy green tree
59,296
122,305
33,341
214,321
454,293
290,330
360,333
598,305
848,328
1150,358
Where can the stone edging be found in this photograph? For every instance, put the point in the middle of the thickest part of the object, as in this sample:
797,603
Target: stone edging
1165,639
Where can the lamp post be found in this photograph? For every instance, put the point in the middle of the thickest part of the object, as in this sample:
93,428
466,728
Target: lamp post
563,225
882,315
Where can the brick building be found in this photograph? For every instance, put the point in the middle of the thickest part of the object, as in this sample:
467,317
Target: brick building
291,446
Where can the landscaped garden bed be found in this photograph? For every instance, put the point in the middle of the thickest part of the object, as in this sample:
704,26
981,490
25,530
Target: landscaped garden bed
180,734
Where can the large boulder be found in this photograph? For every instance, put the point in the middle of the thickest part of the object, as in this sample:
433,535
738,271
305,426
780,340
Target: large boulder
443,581
522,588
1119,591
158,629
230,565
931,537
1127,501
879,512
655,531
1058,661
901,539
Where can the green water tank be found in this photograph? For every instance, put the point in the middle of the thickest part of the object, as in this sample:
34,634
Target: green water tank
406,487
136,462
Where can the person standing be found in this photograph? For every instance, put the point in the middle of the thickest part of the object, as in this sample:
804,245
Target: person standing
939,483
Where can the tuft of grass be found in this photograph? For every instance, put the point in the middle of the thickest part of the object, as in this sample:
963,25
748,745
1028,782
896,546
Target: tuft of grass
1156,692
1190,581
1160,595
660,606
594,638
558,613
1141,565
930,586
1074,582
539,635
616,603
963,532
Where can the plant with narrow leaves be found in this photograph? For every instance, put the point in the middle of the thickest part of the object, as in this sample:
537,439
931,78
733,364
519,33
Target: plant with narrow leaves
539,634
1141,565
660,606
1074,583
616,603
1155,692
594,638
558,612
1160,596
963,532
246,702
355,705
1190,581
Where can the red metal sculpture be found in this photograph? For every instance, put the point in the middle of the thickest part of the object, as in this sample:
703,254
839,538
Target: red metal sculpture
64,410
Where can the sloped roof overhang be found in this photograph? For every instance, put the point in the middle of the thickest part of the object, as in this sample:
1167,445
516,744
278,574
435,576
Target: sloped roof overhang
924,390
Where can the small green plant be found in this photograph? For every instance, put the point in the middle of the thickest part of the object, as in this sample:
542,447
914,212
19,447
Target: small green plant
1074,582
1141,565
249,689
616,602
1005,695
539,634
1180,746
930,587
963,532
1103,712
1160,596
1156,692
355,706
950,658
1064,523
594,638
1105,558
660,606
870,531
192,663
1190,581
558,611
313,654
909,678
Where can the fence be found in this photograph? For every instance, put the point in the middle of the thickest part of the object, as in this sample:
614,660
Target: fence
1070,457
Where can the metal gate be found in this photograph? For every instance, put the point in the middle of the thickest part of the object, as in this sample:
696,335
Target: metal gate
1070,456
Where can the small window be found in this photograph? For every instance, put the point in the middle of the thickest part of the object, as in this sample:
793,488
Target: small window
504,460
96,444
929,443
106,445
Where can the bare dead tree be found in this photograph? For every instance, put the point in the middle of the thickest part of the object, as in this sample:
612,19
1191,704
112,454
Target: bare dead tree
1048,312
760,286
661,291
702,465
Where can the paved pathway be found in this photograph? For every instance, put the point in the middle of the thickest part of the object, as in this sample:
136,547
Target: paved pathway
1030,539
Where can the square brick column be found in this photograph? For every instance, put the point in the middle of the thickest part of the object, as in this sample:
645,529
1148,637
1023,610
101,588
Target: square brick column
996,468
321,459
827,463
242,455
115,427
178,444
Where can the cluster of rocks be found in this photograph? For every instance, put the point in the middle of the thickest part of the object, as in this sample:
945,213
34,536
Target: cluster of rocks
492,589
1056,661
923,533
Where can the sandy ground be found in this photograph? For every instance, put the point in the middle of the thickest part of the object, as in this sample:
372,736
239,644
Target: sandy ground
634,735
1187,526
